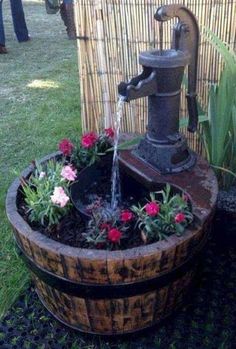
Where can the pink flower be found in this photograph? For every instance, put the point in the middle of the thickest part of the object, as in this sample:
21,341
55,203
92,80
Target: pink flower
59,197
114,235
89,139
126,216
66,147
68,173
179,218
152,209
109,132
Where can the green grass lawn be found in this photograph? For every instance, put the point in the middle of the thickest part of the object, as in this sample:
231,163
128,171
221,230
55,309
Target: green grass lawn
39,94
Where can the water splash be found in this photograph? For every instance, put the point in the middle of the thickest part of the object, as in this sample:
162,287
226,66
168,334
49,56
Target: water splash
115,177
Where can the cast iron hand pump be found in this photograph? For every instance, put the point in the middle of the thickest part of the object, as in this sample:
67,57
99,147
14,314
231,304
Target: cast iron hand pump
163,146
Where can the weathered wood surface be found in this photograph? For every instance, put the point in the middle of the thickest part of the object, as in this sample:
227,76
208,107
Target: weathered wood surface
104,267
115,316
114,267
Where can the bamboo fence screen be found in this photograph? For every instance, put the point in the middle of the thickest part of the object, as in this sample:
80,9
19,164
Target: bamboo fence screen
111,35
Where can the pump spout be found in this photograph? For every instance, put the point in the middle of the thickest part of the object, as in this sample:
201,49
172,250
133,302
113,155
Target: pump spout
142,85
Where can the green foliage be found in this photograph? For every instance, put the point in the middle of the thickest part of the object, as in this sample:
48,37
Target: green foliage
165,222
128,144
219,131
39,190
201,118
171,214
101,222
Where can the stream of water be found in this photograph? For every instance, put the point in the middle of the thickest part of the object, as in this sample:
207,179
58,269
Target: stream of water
115,177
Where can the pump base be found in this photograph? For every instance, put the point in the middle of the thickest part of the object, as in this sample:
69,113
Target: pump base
166,158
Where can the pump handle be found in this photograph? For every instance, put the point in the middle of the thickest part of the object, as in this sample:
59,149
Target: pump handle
186,38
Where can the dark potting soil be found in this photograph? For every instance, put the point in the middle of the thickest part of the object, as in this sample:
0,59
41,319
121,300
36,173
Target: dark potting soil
71,227
68,231
93,186
206,322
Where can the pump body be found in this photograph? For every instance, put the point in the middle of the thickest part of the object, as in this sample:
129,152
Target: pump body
164,147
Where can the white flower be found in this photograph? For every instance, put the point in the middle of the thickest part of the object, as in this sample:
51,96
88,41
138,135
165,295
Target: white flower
42,175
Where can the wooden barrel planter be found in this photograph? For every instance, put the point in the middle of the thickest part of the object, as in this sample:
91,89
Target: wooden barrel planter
115,292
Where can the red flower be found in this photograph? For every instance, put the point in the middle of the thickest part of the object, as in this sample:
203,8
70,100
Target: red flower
180,217
114,235
66,147
109,132
126,216
89,139
152,209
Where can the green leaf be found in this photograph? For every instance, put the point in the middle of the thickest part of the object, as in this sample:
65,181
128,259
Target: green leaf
128,144
225,51
179,228
183,122
219,131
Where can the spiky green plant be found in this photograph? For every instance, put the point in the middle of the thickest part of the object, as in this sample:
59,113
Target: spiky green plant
219,130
